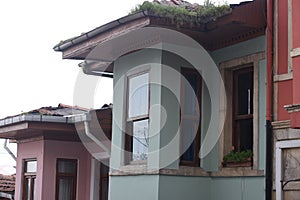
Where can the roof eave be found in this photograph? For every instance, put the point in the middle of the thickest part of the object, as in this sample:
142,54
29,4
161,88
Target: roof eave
86,36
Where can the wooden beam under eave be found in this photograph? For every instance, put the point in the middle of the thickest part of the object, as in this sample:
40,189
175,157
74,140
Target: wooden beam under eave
48,126
80,50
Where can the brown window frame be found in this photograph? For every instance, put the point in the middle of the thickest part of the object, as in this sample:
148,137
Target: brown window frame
72,176
29,176
196,161
236,118
130,120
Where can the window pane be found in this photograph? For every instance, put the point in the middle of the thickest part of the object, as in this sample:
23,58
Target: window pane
245,93
65,189
67,166
31,166
245,130
34,187
190,94
104,189
138,95
28,188
187,140
140,140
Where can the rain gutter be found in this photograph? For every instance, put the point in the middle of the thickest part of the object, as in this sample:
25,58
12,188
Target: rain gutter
9,151
90,135
101,29
35,118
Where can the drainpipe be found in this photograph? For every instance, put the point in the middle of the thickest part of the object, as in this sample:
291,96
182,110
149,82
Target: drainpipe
92,137
9,151
269,103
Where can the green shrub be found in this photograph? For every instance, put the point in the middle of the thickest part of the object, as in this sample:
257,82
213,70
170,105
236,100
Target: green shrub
184,14
237,157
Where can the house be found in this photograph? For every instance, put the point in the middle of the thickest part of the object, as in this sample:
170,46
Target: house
7,187
286,99
55,159
187,91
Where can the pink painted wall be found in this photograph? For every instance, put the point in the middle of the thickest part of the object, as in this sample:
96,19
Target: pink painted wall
28,150
46,153
71,150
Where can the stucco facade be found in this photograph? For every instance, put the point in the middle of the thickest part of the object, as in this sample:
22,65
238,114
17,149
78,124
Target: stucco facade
173,181
46,153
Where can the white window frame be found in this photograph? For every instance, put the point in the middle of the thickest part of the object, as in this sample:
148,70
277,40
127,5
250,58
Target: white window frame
287,144
135,73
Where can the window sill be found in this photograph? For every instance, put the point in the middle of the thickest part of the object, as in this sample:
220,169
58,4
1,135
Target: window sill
135,169
138,162
237,172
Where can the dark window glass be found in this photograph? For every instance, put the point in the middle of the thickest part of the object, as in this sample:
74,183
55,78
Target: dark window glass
190,117
66,178
104,182
243,109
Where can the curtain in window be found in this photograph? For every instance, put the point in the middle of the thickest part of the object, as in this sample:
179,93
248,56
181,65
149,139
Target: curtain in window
65,189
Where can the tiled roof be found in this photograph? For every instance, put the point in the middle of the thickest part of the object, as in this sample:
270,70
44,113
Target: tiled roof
60,110
7,183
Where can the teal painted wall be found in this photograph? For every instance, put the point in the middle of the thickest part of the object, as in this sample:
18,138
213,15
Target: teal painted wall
180,187
240,188
122,66
206,188
262,114
256,45
134,187
184,188
238,50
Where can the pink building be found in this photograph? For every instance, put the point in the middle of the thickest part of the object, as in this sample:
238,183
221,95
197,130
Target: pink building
52,162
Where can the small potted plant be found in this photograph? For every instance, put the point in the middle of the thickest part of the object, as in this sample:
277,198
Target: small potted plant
238,159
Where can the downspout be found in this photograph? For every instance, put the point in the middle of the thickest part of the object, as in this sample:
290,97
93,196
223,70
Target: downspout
9,151
269,101
93,138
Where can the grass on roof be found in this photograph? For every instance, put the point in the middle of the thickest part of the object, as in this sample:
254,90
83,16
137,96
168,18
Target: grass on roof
193,13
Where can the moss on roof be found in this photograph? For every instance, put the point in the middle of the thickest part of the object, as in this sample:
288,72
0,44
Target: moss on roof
179,11
184,12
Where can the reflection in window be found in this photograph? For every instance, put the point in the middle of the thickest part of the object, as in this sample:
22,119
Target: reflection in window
138,116
190,117
140,140
138,95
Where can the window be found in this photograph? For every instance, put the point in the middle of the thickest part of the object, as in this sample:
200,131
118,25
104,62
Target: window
190,117
66,178
243,109
242,83
138,116
104,182
29,181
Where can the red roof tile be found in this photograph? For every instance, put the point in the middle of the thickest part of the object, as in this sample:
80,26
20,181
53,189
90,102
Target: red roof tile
7,183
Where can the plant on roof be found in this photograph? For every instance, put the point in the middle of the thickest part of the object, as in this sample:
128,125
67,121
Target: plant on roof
186,13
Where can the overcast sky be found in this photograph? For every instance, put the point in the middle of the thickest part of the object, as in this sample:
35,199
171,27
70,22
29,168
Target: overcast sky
32,74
